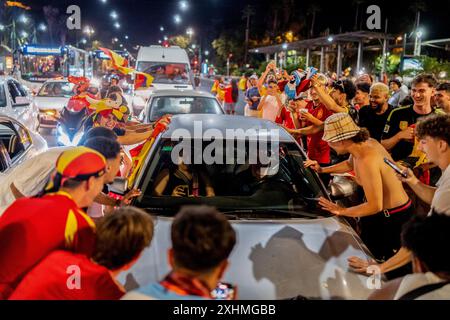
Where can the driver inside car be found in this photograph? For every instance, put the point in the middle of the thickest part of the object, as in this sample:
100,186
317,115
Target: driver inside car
183,181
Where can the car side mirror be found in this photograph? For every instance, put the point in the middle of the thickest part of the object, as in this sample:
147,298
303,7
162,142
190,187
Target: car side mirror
119,186
342,187
21,102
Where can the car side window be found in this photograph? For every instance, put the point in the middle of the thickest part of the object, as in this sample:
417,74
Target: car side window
13,91
16,143
24,135
21,89
2,96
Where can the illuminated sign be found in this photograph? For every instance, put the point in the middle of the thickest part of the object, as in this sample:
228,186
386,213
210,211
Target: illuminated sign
101,55
42,50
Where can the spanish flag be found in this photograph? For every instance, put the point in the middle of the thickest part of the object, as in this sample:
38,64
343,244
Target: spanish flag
142,80
17,4
119,63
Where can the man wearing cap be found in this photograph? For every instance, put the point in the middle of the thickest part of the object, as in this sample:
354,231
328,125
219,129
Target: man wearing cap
33,227
387,207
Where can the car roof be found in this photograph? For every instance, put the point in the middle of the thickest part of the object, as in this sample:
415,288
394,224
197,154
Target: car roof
181,93
222,123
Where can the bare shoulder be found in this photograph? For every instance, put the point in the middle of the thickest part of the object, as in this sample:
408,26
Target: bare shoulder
388,291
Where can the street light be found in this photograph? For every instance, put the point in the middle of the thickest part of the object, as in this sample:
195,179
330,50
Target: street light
189,31
42,27
126,37
83,41
89,31
117,25
23,18
159,41
330,39
114,15
2,27
104,1
184,5
161,28
24,34
165,38
177,19
206,53
284,46
115,39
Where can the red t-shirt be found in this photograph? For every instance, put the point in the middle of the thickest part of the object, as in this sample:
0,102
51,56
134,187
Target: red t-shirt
55,278
318,149
79,102
228,97
285,118
31,228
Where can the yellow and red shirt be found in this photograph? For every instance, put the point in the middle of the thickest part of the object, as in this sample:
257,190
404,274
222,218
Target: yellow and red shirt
31,228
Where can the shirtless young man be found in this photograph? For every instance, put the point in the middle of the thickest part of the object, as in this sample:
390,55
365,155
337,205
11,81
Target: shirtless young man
387,207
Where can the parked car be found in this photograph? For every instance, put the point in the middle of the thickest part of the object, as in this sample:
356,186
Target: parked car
16,102
286,245
51,99
175,101
17,143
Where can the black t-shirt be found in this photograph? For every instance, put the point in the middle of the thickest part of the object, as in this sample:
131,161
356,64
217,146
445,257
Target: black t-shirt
400,119
374,122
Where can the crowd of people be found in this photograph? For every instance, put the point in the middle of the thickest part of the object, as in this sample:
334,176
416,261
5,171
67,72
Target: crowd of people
353,126
60,226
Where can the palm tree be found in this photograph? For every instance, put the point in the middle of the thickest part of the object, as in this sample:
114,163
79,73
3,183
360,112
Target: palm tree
312,10
357,3
246,14
417,7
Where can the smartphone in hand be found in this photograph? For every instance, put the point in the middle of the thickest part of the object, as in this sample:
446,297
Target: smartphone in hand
395,167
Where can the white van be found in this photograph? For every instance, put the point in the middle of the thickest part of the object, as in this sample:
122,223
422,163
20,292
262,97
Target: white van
169,67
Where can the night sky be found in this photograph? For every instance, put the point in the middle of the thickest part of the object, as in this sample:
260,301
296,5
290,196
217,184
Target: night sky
141,19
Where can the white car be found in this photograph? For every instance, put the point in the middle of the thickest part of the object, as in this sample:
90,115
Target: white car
17,103
17,144
175,101
51,99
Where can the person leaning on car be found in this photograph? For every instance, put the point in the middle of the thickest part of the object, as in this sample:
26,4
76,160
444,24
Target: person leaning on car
434,135
387,207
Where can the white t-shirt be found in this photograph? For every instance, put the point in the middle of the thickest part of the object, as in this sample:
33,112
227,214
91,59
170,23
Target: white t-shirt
270,109
441,199
413,281
29,177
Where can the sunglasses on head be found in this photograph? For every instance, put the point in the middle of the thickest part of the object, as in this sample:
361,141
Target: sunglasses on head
339,84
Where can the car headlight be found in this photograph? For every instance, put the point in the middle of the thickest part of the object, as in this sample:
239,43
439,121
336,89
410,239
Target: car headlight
63,138
77,138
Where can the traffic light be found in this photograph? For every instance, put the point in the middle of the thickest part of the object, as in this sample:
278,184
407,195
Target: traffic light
166,44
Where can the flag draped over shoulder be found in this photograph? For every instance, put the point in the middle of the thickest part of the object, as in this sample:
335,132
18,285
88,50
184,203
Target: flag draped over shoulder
142,80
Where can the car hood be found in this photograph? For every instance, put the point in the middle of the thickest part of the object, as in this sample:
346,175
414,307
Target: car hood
275,259
45,103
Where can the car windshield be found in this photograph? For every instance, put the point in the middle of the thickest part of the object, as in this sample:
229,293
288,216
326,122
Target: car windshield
56,89
165,73
2,96
180,105
243,188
